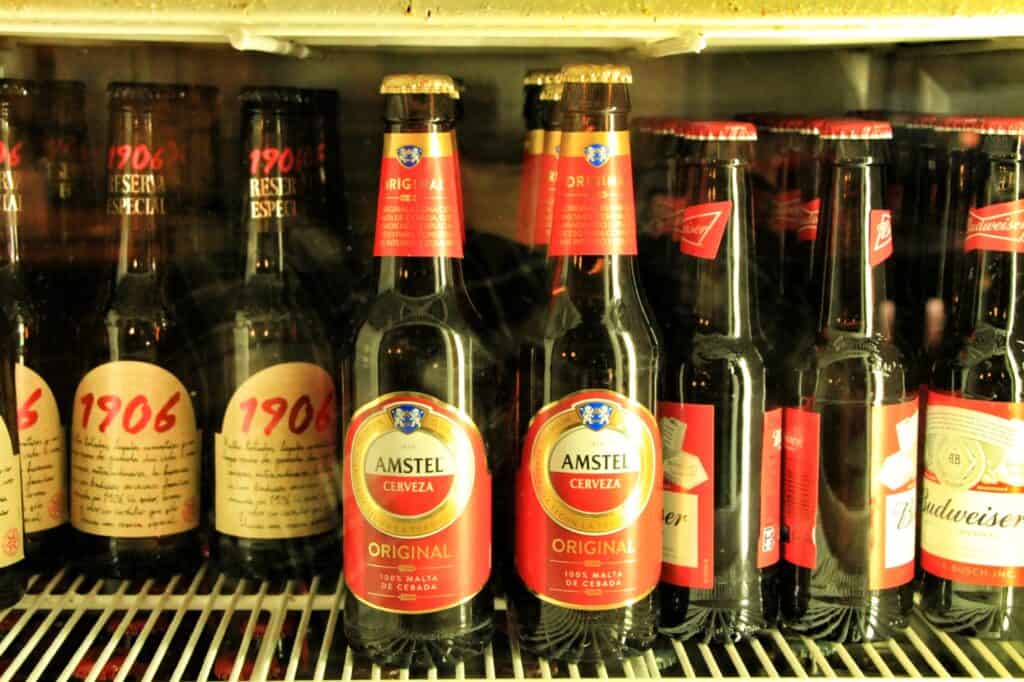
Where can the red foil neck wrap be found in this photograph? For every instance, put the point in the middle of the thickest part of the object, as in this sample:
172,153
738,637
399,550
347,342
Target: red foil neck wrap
594,214
418,201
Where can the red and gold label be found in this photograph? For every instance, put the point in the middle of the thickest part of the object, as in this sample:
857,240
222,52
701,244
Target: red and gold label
418,210
880,236
594,212
703,228
972,523
42,452
12,544
135,453
547,187
999,227
275,458
529,186
416,493
588,512
769,538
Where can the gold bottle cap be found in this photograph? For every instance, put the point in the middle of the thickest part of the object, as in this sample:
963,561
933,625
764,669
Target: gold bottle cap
419,84
551,92
541,76
596,73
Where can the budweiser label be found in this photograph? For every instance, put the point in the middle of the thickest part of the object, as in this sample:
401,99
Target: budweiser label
276,470
547,186
588,511
274,176
971,521
807,227
880,236
999,227
786,211
135,466
41,447
418,212
801,437
593,213
688,531
12,545
416,494
771,489
667,216
703,227
136,185
533,156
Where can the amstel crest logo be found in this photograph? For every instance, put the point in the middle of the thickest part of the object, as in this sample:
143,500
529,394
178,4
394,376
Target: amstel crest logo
409,155
597,154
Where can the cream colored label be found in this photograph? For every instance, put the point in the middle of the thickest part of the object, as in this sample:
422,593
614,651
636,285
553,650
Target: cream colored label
41,448
12,548
276,455
135,465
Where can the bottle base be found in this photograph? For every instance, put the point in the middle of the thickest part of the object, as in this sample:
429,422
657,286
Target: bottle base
719,623
421,652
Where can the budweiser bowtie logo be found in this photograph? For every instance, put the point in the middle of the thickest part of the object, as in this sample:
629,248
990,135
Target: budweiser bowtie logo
880,236
999,227
703,227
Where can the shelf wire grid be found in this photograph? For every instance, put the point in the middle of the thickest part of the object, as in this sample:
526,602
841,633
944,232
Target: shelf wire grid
210,627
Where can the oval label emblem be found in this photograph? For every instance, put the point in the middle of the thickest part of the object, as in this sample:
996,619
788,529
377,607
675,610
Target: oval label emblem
596,154
409,155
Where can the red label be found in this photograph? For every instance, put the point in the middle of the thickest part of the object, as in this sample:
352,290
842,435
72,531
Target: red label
703,228
893,538
807,227
771,489
999,227
688,530
880,236
529,186
594,214
418,208
588,509
800,486
786,213
416,499
140,158
547,188
667,215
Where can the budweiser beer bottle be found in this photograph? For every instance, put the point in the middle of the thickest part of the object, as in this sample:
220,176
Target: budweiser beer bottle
588,483
720,424
850,464
971,528
273,400
418,459
134,425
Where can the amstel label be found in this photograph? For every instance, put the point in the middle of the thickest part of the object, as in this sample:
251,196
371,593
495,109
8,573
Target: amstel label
594,212
416,497
529,182
972,524
42,452
588,513
999,227
703,228
12,544
893,491
547,187
418,206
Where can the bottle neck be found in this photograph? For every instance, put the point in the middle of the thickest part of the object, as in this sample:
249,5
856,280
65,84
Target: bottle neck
17,188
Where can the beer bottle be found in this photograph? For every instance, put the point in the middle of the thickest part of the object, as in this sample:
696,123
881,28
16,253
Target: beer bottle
533,155
418,453
273,400
134,422
972,489
588,483
720,421
44,367
850,465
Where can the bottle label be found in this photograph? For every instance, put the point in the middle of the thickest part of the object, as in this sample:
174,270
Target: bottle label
416,493
791,214
893,485
667,216
533,155
999,227
703,228
589,502
12,545
972,525
135,453
274,175
548,186
42,452
807,227
418,211
13,161
136,185
880,236
769,539
594,214
275,458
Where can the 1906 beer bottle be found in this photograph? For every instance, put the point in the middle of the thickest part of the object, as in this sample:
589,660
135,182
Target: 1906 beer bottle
418,452
273,399
720,421
135,447
588,482
973,486
850,464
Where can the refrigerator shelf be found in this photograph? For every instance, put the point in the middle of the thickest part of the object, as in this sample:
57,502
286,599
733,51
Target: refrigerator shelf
191,627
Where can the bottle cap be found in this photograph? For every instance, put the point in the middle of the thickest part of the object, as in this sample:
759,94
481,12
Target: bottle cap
1001,125
541,77
855,129
720,131
922,121
957,123
419,84
798,125
596,73
551,92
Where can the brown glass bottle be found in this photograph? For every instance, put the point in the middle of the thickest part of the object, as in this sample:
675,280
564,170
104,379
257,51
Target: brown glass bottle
138,405
596,374
273,400
970,530
716,387
849,479
418,453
